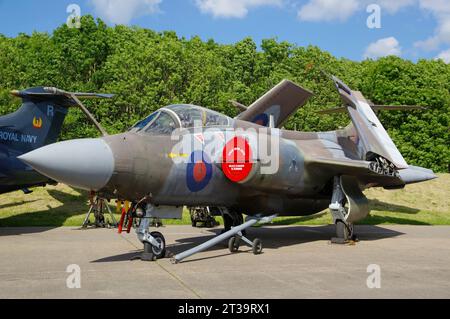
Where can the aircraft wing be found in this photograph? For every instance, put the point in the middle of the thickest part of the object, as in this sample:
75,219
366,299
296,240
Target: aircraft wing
280,103
341,166
364,171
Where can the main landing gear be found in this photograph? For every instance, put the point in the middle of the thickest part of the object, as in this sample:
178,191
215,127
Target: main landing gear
231,219
202,215
344,229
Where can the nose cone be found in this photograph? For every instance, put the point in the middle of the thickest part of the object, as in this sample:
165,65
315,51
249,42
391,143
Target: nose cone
87,164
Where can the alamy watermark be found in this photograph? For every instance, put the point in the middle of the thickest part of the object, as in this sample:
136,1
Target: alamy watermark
73,281
374,19
74,18
260,146
374,279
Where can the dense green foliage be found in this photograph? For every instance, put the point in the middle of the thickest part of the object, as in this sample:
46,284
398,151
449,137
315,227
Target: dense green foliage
148,70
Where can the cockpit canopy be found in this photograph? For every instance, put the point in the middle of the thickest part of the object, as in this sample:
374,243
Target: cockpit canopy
170,118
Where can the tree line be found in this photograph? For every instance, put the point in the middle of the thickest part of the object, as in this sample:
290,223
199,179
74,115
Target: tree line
147,70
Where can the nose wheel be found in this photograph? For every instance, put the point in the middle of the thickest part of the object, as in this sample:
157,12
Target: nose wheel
158,250
154,247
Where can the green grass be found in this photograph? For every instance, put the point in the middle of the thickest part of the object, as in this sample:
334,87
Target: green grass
420,204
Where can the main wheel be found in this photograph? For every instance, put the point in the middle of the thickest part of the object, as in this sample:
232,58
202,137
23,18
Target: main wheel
233,244
343,231
228,222
257,247
159,252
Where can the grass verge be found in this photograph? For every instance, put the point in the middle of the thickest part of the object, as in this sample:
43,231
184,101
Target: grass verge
421,204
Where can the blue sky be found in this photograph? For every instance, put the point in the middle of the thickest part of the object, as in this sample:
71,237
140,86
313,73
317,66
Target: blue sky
409,28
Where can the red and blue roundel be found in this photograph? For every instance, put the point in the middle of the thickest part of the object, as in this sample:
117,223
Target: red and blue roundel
199,171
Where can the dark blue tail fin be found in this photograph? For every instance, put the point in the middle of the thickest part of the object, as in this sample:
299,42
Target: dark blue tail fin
36,123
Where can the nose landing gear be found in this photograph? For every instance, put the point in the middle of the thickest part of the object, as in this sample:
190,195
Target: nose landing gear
154,242
154,247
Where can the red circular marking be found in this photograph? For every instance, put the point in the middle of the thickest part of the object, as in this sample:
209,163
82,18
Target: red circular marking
237,156
199,171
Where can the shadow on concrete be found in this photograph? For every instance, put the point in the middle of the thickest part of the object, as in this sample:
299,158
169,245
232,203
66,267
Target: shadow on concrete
279,237
375,205
122,257
272,238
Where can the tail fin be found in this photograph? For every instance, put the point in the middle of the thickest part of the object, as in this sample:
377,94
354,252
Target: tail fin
280,103
374,141
38,121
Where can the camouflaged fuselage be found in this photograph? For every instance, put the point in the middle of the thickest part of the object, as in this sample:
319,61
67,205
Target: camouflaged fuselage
145,166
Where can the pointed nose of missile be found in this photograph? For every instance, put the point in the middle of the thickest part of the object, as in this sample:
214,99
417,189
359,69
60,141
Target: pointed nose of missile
87,164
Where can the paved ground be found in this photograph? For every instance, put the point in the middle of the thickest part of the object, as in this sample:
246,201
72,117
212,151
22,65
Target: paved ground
298,262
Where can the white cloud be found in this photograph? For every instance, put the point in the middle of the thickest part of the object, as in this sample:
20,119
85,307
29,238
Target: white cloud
440,9
436,5
122,12
233,8
393,6
445,56
328,10
383,47
341,10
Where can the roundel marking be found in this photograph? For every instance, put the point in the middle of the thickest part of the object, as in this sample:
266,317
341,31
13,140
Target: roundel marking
199,171
237,156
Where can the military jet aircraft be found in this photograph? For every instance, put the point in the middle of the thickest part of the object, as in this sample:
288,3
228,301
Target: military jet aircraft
36,123
187,155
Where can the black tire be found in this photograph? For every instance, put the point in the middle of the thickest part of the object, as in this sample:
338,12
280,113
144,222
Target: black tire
148,253
233,245
257,247
343,231
240,220
159,252
228,222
